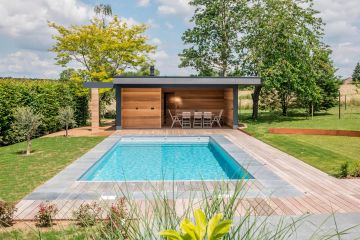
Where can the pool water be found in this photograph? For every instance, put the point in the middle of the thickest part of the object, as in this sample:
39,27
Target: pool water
157,161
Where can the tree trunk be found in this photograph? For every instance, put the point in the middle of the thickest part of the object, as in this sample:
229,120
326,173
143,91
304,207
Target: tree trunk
284,109
255,97
66,130
28,148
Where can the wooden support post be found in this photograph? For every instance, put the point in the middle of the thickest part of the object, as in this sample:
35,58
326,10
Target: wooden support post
95,110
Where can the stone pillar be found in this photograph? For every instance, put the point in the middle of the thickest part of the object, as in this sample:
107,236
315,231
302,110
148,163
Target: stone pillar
94,109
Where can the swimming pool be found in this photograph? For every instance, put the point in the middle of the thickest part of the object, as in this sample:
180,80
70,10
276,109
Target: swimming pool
154,159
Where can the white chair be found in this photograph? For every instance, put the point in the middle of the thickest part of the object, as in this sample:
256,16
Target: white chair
186,120
217,119
175,119
207,120
198,121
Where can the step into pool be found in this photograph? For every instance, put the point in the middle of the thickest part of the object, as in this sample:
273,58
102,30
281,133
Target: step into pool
166,159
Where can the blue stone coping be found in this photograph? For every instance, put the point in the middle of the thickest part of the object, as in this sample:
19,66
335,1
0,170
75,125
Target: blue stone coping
59,187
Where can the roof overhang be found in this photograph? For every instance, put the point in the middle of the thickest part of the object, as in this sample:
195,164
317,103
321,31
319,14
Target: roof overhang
144,82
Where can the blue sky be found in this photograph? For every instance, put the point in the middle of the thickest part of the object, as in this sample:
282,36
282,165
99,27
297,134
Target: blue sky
25,37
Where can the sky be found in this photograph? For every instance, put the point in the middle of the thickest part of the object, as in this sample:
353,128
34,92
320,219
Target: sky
25,37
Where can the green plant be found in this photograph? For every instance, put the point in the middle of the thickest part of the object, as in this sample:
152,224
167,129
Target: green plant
66,118
119,221
26,124
87,214
45,215
45,97
343,171
7,211
355,170
215,229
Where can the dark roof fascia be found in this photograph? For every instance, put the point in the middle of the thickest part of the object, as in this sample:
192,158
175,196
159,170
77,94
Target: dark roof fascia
187,80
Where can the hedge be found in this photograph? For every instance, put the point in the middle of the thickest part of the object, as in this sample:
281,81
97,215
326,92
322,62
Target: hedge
45,97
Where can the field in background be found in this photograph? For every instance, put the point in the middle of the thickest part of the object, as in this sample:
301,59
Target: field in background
326,153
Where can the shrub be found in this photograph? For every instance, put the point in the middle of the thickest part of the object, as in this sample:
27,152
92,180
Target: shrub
45,215
343,171
119,218
45,97
355,170
87,214
7,211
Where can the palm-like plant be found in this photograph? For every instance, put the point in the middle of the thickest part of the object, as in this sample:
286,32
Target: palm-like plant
215,229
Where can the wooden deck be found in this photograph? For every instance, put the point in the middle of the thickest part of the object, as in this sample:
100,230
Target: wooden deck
322,193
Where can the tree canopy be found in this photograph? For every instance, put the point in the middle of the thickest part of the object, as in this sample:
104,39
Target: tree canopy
356,74
102,50
213,43
279,40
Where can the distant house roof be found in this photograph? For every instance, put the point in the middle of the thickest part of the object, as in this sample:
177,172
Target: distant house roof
175,81
348,80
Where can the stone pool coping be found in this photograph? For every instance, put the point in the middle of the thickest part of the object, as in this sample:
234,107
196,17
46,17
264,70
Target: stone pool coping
67,186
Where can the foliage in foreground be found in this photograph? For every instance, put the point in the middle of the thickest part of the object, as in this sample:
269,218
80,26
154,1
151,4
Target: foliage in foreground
7,211
45,215
130,219
215,229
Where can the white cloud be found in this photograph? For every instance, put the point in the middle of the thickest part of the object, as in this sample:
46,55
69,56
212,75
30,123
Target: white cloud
156,41
175,7
169,25
342,31
28,64
143,3
25,22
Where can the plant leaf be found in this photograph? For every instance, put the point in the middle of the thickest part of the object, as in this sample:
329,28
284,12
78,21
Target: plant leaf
171,235
201,223
214,221
221,229
189,228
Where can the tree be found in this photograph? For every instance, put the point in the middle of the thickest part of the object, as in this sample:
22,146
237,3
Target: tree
356,74
214,46
103,10
26,124
66,118
281,38
102,50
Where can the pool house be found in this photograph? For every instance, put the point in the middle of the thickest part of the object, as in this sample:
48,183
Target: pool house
153,102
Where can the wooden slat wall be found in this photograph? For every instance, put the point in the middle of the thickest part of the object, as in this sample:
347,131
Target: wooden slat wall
228,101
202,100
137,104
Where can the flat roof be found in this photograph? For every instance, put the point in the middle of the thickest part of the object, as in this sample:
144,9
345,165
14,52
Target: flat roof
175,81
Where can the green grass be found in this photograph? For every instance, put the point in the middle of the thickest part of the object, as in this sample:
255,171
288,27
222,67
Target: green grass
326,153
20,174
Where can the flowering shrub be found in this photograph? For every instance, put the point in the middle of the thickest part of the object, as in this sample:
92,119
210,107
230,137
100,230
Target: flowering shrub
45,215
87,214
118,217
6,213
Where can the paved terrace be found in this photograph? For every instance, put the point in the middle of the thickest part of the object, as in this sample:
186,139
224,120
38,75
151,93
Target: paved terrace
319,193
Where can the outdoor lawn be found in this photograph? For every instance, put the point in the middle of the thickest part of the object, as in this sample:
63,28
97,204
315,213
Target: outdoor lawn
20,174
326,153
